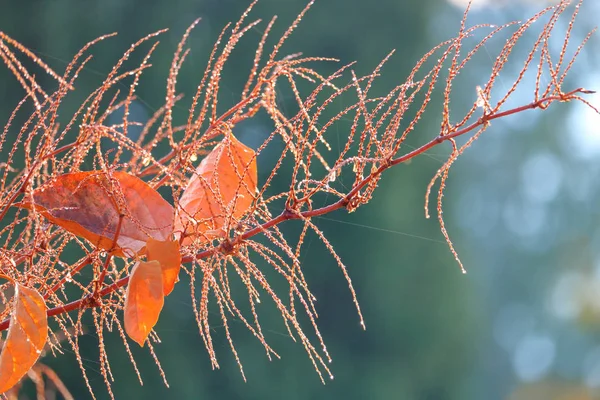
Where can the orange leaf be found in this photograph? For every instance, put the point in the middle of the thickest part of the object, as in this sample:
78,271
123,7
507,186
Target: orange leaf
82,203
144,300
167,254
26,337
223,186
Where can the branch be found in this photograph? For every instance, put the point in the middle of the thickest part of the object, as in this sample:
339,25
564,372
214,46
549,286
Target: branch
286,215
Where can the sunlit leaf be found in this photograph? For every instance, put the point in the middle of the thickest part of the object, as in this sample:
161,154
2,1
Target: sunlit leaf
87,204
26,337
144,300
223,186
168,255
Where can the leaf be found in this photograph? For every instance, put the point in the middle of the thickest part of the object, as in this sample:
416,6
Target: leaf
144,300
168,255
85,203
224,185
26,337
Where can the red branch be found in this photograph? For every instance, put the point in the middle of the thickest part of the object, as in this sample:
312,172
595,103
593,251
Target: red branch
341,203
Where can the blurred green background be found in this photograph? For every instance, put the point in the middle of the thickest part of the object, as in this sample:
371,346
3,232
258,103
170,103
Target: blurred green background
521,207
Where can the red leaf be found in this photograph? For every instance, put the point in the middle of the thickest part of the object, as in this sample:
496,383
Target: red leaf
224,185
26,337
87,204
144,300
168,255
